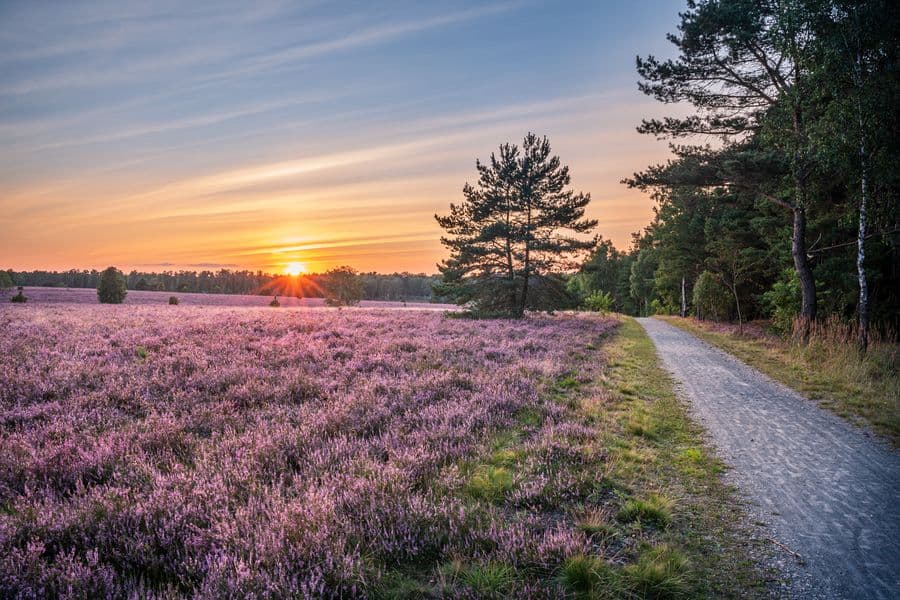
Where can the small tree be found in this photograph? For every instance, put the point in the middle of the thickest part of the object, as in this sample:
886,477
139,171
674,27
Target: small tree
343,287
710,297
513,231
112,286
173,300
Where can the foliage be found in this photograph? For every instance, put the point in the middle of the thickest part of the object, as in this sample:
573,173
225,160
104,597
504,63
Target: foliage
711,298
783,302
599,301
111,289
6,280
513,232
20,297
343,287
275,303
173,300
803,99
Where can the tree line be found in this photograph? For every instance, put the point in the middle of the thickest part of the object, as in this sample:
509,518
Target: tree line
374,286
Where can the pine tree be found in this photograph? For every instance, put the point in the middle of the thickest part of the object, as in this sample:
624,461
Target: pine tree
513,233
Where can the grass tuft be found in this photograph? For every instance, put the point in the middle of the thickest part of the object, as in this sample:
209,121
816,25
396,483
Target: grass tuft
658,573
655,509
490,483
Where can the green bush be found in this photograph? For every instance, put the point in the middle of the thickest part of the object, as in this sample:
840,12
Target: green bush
275,303
599,301
20,297
112,286
783,301
173,300
711,298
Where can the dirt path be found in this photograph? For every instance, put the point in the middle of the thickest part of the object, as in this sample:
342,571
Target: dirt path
826,490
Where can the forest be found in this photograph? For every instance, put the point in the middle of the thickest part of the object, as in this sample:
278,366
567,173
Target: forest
781,199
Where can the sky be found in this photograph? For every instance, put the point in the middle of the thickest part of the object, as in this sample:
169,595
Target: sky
169,135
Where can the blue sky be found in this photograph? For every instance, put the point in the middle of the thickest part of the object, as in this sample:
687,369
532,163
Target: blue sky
255,134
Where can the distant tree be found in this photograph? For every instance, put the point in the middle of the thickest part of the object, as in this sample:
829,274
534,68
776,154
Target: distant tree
513,231
112,286
343,287
141,285
6,281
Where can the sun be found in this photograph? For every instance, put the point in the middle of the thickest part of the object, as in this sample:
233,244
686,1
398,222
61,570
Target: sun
295,268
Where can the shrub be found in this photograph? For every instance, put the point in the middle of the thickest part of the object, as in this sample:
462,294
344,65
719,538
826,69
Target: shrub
710,297
20,297
783,301
173,300
275,303
599,301
112,287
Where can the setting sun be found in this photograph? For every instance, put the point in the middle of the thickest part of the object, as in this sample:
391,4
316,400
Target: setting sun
295,268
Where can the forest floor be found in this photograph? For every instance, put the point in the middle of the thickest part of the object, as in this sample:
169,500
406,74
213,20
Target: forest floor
825,491
864,390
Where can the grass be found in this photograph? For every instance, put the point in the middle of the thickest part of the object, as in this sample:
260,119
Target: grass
656,510
674,506
828,368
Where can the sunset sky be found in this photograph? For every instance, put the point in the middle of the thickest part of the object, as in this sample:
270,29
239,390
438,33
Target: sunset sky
166,135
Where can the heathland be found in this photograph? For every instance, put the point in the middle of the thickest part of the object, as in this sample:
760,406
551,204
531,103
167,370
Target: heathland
232,451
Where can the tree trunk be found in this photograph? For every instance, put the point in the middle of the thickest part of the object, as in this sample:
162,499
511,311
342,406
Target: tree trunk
863,308
737,303
683,302
804,271
861,253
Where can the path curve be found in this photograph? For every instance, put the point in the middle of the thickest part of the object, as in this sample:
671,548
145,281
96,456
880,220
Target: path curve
825,489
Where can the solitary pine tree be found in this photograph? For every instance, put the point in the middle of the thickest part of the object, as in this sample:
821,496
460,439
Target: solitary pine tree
513,232
112,287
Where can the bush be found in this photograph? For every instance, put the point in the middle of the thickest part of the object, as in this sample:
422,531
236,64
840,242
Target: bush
343,287
275,303
783,301
112,287
599,301
710,297
20,297
173,300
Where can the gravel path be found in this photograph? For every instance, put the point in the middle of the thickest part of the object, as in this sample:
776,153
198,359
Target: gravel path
826,490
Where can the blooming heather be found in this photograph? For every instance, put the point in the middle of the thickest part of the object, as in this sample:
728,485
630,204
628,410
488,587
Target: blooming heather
233,452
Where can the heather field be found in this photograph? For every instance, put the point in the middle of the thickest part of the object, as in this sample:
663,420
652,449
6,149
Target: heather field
220,452
52,295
